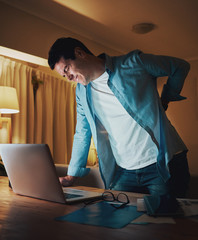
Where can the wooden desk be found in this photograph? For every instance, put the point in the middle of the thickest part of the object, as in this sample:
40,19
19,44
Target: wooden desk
26,218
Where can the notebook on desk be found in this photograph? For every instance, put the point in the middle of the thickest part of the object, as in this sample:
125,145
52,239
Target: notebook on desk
31,172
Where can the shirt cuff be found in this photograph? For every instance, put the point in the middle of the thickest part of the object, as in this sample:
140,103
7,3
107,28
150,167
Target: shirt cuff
170,95
77,171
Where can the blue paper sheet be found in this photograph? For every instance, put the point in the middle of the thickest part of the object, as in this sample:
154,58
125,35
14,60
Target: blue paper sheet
103,214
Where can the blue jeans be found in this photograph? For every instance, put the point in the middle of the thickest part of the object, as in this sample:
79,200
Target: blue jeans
144,180
148,180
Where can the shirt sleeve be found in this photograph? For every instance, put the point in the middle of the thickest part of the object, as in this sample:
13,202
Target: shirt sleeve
176,69
81,144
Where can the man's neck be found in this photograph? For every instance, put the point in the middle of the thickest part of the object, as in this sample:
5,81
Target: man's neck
98,67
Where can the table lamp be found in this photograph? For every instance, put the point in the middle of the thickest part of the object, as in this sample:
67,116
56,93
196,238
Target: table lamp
8,105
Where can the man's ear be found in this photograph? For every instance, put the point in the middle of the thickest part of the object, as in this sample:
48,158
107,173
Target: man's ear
79,52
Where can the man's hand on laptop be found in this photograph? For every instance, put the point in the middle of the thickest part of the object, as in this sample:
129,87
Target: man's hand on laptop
67,180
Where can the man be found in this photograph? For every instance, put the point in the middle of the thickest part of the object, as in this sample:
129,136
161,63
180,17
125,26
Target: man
119,106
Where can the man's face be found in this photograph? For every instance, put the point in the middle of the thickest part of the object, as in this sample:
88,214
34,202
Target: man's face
75,70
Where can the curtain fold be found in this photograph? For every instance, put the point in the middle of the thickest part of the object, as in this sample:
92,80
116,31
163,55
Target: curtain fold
49,116
18,75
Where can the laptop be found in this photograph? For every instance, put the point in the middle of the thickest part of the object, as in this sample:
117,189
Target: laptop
31,172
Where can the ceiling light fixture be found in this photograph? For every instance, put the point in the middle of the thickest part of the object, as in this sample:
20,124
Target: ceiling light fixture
142,28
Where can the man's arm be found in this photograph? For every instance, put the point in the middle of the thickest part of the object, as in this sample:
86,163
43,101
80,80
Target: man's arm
176,69
80,150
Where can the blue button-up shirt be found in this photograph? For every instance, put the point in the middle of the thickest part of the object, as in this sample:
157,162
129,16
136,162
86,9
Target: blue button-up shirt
132,79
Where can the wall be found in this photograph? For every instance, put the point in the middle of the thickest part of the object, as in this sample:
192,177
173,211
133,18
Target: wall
32,35
29,34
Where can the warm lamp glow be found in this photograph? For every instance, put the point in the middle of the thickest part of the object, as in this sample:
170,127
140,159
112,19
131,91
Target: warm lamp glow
8,104
8,100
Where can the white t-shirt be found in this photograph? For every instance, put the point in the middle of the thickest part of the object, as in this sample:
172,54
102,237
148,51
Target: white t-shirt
132,146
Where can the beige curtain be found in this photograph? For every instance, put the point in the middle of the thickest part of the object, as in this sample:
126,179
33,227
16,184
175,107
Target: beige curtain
50,117
55,115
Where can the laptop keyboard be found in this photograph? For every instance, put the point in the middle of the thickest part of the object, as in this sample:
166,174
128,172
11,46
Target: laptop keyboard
70,195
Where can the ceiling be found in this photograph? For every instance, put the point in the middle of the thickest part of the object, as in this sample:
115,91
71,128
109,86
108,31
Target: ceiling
109,23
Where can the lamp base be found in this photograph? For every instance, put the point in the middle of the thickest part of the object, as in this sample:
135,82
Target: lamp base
5,130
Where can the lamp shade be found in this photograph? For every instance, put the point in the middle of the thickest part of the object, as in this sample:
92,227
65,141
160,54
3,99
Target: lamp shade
8,100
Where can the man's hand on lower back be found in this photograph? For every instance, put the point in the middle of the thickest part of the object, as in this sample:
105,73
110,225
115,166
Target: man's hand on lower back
164,103
67,180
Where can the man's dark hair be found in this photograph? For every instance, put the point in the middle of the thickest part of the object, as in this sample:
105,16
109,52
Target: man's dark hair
64,47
